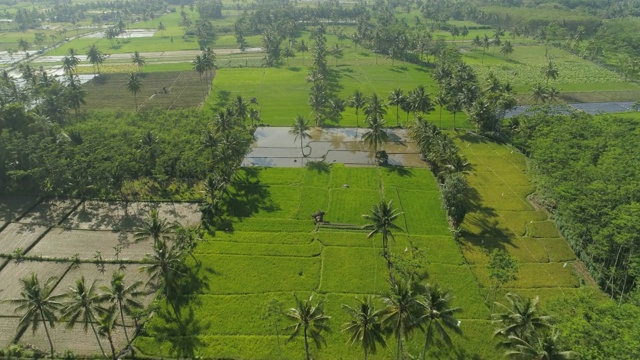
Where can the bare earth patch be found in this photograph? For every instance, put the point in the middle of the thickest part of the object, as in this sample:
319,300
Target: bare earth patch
63,243
121,216
19,236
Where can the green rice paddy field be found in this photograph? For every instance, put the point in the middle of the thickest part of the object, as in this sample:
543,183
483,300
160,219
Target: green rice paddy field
274,252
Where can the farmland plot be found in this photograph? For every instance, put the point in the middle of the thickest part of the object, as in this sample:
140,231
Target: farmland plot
18,236
63,243
12,207
49,212
162,90
123,216
14,271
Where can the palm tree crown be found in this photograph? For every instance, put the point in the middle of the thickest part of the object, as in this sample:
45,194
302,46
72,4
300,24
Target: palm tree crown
365,326
309,318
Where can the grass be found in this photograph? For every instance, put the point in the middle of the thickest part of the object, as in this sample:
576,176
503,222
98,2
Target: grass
275,253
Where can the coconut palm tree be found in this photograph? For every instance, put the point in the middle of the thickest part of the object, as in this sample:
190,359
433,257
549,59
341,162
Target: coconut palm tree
38,305
106,324
357,101
75,94
164,266
365,326
543,347
401,312
420,100
539,93
376,134
95,57
241,108
138,60
381,218
122,296
441,99
299,130
254,116
134,85
520,318
309,318
506,49
396,98
84,305
550,72
154,227
437,313
375,108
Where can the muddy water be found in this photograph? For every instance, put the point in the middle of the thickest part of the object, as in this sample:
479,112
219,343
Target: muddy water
275,147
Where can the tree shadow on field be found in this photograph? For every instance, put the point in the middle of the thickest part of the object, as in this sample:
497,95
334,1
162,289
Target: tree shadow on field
474,138
440,350
182,336
399,170
487,232
249,195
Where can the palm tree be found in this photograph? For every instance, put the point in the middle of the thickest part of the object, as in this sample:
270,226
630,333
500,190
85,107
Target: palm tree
520,318
365,326
241,108
375,108
254,116
106,324
539,93
38,305
441,99
543,347
381,220
303,48
24,46
376,135
396,98
436,312
95,57
134,85
138,60
163,268
506,49
75,94
299,130
84,305
420,100
161,28
69,64
550,71
123,296
357,101
154,227
309,318
401,311
552,94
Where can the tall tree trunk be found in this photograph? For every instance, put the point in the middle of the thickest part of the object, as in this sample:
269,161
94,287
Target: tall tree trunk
124,326
98,339
399,347
426,341
113,349
46,330
306,344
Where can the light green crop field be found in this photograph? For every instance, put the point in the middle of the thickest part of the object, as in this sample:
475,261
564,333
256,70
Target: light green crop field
283,93
274,252
503,218
525,67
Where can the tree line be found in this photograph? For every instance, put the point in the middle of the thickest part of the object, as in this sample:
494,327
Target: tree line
586,170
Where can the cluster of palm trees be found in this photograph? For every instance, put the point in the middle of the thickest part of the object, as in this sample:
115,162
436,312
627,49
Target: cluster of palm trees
205,63
227,142
104,309
525,334
51,97
82,304
410,305
506,48
446,163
